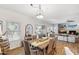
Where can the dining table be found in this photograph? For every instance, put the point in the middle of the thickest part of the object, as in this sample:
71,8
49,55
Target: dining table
40,43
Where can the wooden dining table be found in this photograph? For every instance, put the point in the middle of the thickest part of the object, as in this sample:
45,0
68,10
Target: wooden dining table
40,43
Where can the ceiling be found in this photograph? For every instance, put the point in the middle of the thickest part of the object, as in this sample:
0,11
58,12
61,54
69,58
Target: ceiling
53,13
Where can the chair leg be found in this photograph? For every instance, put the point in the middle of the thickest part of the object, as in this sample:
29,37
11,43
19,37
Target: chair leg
40,52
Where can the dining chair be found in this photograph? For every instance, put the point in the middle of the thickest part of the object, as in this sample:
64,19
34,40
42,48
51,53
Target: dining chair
34,50
29,50
26,47
34,37
51,47
28,37
5,46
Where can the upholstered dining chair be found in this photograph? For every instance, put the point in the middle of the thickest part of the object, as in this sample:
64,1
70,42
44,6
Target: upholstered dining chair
26,47
51,47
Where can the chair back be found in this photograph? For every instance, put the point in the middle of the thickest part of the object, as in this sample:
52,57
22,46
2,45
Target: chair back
5,46
26,47
51,46
34,37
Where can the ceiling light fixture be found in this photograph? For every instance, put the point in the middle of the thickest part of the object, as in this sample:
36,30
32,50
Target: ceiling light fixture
39,15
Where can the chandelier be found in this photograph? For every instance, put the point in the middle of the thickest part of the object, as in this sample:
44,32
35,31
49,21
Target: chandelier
39,14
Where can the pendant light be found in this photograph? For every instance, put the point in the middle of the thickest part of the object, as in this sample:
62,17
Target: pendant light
40,15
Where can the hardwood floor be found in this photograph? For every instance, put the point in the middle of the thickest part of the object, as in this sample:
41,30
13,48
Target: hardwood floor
74,47
17,51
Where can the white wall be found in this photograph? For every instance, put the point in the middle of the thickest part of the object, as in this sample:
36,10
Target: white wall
23,20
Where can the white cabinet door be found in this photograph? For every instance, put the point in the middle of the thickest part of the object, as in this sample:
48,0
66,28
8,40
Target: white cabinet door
65,38
60,38
71,39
